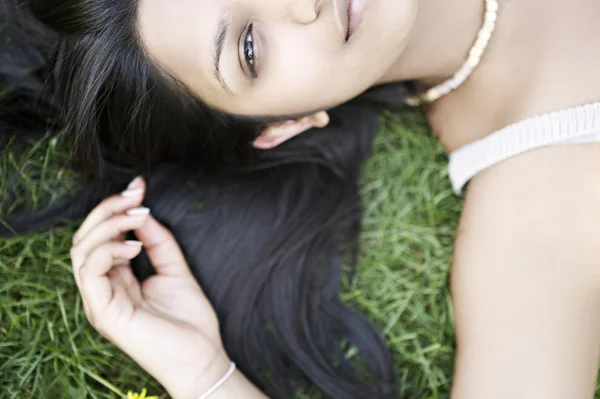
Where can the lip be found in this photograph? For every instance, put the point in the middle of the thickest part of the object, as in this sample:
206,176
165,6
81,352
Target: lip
351,14
341,10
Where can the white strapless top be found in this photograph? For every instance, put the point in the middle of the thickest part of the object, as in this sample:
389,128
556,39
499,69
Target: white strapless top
569,126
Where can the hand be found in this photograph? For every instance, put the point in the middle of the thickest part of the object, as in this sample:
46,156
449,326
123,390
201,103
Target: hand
166,324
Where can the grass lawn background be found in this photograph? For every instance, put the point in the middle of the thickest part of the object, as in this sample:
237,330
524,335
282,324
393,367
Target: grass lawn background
48,350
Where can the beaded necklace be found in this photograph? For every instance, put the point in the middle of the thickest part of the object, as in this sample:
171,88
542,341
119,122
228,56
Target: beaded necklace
483,38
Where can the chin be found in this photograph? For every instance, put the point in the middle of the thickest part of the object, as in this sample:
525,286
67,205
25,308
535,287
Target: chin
391,20
384,34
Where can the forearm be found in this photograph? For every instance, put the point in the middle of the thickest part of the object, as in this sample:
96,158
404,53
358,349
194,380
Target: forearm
525,281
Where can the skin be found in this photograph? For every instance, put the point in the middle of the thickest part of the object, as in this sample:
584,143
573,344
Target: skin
181,344
301,45
525,277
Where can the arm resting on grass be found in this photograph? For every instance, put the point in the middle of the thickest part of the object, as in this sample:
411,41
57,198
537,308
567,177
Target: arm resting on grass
526,278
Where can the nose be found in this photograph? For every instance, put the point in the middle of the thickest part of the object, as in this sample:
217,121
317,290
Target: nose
305,11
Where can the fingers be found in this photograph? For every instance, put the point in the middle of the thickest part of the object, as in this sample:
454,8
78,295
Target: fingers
93,277
108,230
99,252
130,198
162,248
122,275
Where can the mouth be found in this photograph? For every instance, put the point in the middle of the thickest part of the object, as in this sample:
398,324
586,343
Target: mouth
351,14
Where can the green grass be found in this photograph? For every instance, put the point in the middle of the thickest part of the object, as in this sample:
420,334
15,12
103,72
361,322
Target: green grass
48,350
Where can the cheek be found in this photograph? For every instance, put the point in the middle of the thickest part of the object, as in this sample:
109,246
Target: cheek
307,82
302,78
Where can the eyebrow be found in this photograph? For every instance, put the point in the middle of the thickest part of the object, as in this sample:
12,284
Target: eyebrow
219,45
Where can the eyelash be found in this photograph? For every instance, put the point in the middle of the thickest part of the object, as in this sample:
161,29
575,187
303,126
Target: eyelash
249,50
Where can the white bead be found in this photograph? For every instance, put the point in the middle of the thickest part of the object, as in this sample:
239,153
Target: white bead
484,35
488,27
474,61
463,74
476,52
442,91
412,101
490,16
432,95
481,44
492,5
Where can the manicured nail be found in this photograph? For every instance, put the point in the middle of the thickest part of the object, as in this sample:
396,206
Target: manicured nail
138,211
130,193
134,243
134,182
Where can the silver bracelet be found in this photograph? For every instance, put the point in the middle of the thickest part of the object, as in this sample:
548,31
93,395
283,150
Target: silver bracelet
220,383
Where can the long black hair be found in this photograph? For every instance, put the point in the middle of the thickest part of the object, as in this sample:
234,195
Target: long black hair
266,233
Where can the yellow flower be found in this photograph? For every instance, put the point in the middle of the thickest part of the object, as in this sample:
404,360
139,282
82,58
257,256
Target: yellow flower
131,395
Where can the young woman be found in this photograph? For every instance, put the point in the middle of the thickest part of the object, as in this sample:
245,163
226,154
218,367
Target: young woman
206,85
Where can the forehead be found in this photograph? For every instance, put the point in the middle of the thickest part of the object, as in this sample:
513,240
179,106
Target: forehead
178,35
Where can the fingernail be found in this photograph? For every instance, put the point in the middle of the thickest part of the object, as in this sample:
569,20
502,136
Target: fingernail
138,211
135,192
134,182
134,243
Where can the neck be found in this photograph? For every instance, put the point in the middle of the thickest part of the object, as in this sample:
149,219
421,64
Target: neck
543,56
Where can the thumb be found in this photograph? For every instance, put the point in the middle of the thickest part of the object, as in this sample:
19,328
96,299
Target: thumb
162,248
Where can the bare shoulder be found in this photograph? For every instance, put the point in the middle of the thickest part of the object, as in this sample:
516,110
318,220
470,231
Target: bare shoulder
526,278
547,199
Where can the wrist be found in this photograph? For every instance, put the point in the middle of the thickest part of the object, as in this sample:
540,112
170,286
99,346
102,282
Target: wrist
236,386
198,385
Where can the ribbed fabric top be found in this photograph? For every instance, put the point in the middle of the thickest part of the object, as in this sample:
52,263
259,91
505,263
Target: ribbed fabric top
569,126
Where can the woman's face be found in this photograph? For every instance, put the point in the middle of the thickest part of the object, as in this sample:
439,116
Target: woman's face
275,57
